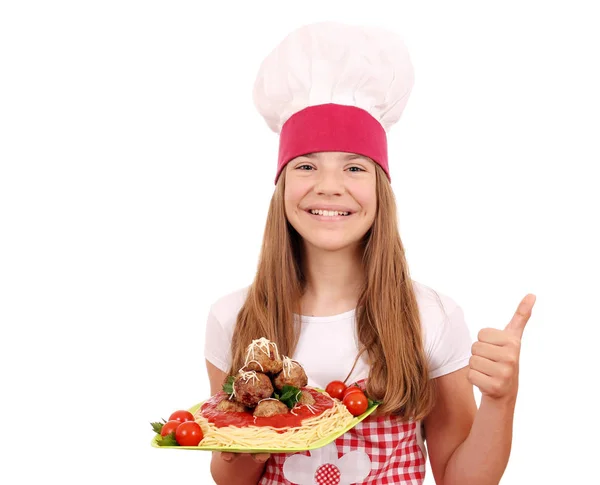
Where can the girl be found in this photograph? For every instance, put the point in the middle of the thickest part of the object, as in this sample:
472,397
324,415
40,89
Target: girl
333,288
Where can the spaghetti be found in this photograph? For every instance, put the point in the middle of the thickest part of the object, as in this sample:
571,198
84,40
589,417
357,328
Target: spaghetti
268,406
307,424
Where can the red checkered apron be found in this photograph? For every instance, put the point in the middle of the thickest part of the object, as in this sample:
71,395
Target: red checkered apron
391,445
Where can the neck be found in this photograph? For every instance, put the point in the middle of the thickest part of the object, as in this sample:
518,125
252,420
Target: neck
334,280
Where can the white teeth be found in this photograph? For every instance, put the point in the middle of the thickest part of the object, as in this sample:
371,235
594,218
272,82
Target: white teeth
326,213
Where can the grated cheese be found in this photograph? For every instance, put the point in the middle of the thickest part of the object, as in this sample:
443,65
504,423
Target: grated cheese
288,365
262,345
311,408
248,375
259,364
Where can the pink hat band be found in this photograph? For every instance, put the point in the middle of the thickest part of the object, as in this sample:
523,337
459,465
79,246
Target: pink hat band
332,128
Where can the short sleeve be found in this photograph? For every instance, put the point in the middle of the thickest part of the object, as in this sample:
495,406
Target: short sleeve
217,343
449,347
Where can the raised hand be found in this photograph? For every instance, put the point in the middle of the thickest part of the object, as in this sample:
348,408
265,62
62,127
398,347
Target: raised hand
494,364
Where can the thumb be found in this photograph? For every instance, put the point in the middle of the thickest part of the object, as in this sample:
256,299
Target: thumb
516,326
228,456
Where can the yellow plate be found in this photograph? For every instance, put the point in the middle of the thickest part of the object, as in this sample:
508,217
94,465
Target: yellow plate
317,444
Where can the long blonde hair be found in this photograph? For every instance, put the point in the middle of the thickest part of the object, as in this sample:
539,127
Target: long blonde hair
387,315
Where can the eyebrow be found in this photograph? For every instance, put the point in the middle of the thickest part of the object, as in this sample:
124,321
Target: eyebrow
347,157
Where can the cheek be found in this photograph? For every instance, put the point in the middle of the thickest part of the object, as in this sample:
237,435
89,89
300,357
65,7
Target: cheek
294,192
366,196
290,204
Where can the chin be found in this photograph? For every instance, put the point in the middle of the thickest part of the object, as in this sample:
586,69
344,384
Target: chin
332,244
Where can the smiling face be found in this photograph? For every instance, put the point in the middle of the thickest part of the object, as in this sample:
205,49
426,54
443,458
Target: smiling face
330,198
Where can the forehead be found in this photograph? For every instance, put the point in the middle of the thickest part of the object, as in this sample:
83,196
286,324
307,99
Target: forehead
334,156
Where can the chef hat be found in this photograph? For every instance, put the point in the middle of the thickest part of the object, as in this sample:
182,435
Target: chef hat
334,87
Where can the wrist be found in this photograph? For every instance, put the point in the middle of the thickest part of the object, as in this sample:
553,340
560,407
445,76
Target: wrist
507,403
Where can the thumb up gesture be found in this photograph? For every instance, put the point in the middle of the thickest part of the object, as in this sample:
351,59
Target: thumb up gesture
494,363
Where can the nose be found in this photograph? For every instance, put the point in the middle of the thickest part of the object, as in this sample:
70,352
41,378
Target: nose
330,182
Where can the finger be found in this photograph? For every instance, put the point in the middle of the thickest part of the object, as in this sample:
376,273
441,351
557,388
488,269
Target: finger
483,382
491,352
494,336
261,457
487,367
228,456
482,365
517,324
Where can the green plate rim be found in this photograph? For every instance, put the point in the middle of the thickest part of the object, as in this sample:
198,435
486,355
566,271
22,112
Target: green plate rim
317,444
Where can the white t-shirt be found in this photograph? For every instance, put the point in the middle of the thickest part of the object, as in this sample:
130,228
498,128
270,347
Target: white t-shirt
328,346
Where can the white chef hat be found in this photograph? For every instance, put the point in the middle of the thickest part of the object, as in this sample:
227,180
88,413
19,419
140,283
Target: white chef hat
334,87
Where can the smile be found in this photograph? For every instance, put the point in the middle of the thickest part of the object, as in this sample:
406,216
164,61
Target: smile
328,216
328,213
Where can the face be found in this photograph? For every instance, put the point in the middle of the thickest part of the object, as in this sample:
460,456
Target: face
330,198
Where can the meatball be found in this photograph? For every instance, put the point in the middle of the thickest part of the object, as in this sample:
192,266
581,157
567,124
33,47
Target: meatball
270,407
228,406
292,375
262,356
251,387
306,398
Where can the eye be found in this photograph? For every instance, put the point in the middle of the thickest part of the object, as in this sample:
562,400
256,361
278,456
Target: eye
354,168
304,167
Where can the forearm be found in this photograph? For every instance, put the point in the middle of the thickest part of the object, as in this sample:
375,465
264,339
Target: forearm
241,471
482,458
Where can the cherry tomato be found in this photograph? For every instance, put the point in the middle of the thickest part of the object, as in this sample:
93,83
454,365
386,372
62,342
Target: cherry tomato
335,389
181,416
356,402
350,389
188,433
169,427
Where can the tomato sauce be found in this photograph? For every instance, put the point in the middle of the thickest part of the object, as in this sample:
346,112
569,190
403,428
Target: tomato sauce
221,419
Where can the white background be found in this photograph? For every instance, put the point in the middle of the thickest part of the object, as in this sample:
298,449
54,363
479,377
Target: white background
134,182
